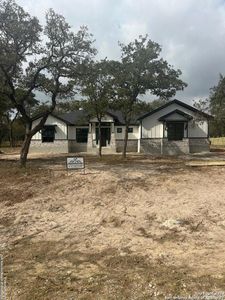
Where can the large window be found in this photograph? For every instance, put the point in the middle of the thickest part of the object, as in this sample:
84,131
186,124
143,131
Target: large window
48,134
175,131
82,135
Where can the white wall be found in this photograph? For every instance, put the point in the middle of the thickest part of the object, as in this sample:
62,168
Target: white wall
152,128
72,131
198,129
61,128
131,136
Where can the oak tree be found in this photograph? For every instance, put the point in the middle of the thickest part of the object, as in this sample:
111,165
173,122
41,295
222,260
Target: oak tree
96,86
33,58
142,70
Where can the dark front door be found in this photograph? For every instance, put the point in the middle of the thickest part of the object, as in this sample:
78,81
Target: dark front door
105,136
175,131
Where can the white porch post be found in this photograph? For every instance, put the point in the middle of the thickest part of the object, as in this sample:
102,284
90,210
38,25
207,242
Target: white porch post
113,139
139,138
89,143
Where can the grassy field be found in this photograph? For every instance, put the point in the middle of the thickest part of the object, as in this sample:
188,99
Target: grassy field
218,141
142,228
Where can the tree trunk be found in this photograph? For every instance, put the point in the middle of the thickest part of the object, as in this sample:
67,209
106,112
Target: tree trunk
124,154
30,132
11,134
25,149
26,145
99,139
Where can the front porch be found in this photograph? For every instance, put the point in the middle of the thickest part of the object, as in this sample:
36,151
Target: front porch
108,141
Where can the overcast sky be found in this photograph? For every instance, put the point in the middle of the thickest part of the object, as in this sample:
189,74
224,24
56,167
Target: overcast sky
191,32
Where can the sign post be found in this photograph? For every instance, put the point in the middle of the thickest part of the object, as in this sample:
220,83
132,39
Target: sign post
75,163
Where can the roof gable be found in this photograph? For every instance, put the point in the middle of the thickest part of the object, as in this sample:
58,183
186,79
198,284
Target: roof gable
176,112
178,102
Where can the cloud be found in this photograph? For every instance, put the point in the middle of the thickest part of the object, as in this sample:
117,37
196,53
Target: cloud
191,33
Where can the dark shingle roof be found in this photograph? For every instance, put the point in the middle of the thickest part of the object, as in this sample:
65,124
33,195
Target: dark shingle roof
78,117
81,117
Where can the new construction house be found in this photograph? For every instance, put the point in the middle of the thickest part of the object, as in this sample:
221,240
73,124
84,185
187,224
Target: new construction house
174,128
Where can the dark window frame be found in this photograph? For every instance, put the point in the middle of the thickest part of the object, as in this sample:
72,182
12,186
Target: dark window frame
119,130
130,129
82,137
175,130
48,134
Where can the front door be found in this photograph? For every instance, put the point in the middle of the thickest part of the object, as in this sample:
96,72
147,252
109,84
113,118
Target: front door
105,136
175,131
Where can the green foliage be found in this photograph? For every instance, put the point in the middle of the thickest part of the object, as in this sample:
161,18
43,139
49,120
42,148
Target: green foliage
68,106
217,108
34,59
202,105
144,107
96,87
142,70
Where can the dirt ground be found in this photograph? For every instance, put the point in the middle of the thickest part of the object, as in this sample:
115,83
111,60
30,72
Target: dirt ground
144,228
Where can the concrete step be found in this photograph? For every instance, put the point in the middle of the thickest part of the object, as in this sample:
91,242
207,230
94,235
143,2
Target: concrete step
107,150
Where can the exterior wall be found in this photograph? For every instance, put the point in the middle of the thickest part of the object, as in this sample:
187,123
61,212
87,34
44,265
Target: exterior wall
199,145
198,129
152,128
175,147
59,146
151,146
73,146
131,136
163,146
61,128
72,132
132,145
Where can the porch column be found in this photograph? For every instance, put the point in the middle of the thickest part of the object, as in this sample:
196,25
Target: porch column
113,138
139,138
89,142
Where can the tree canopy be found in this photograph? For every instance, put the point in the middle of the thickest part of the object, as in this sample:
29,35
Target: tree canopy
56,61
97,87
35,58
217,107
142,70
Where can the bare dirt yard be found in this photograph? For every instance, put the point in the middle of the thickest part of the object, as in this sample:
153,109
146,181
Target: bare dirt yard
144,228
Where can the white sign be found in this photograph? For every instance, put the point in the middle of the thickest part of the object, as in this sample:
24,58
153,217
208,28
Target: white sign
75,162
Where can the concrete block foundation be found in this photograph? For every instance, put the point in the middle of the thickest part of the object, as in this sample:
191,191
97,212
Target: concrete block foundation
132,145
58,146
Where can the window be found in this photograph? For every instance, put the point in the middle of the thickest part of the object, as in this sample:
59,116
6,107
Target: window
82,135
119,130
130,130
48,134
175,131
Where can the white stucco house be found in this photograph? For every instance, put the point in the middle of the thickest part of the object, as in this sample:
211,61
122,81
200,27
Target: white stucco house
174,128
